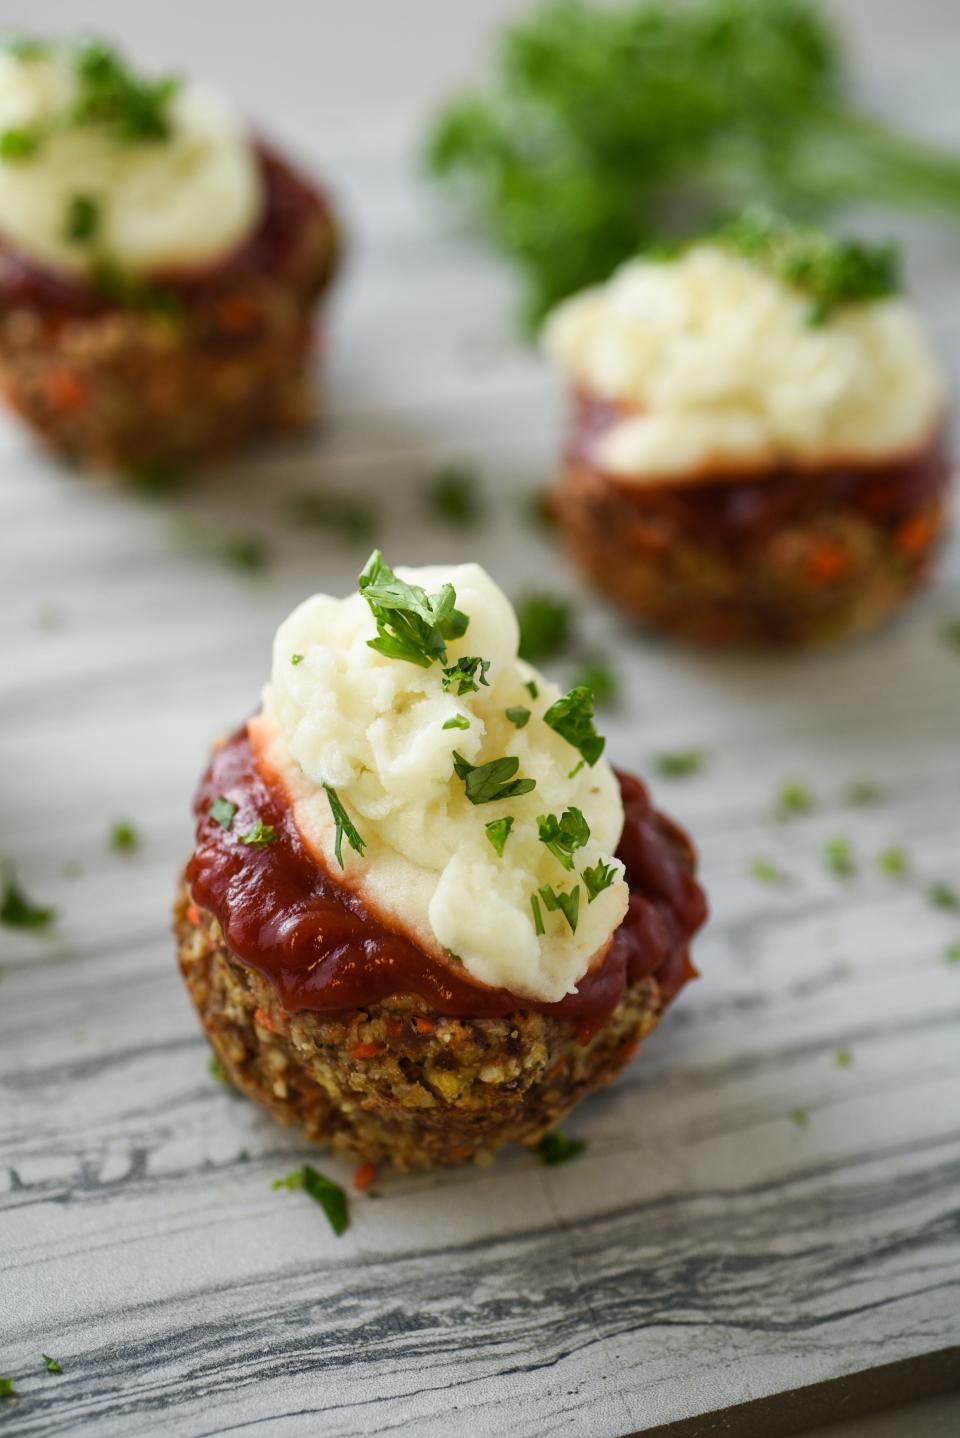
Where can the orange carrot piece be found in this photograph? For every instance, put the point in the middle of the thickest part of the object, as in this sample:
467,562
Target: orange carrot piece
365,1051
193,915
265,1021
915,535
363,1176
423,1026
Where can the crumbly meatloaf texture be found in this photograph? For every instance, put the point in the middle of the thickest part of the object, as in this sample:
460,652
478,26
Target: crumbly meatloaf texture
141,385
395,1081
816,579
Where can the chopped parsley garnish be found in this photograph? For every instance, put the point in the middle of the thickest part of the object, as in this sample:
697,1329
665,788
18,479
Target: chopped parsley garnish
568,903
296,659
793,798
486,783
498,832
344,827
16,910
563,836
518,714
466,676
843,1058
7,1389
766,871
832,271
800,1117
943,896
124,837
18,143
453,495
571,716
893,862
838,857
459,721
597,878
350,518
260,836
532,689
222,810
680,764
322,1190
51,1364
217,1069
950,633
27,47
83,219
863,791
109,93
952,953
249,553
545,623
597,675
411,624
538,927
556,1148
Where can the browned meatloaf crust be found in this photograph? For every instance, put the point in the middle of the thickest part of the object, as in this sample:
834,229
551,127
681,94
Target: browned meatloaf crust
394,1080
799,557
184,369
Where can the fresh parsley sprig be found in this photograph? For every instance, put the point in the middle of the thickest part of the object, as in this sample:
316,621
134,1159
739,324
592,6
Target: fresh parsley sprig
566,901
597,878
344,826
571,716
466,675
485,783
411,624
565,835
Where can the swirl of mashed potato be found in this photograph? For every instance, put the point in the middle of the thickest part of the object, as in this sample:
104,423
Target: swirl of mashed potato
719,367
161,203
372,728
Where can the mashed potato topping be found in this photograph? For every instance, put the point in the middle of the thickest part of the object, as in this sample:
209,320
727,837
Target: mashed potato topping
382,733
725,368
156,203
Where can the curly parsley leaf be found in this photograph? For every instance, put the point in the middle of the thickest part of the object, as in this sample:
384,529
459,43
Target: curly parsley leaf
411,624
597,878
466,676
485,783
571,716
498,832
344,826
563,836
330,1196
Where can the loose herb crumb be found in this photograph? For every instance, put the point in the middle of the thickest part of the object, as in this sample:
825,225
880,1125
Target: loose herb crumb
546,624
863,792
556,1148
952,953
794,798
538,927
597,675
344,827
893,862
680,764
352,519
498,832
260,836
222,811
800,1117
950,633
217,1069
943,896
248,553
83,219
843,1058
453,495
124,838
330,1196
537,509
838,857
7,1389
531,689
518,715
766,871
296,659
18,912
51,1364
459,721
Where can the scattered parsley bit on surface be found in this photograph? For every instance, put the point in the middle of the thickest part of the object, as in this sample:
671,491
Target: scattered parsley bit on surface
124,837
83,219
350,518
950,633
217,1069
893,862
843,1058
952,953
110,93
498,832
16,910
556,1148
157,479
563,836
597,675
7,1389
453,495
518,715
27,47
680,764
800,1117
411,624
571,716
18,143
793,798
259,836
863,791
296,659
532,689
459,721
51,1364
568,903
943,896
322,1190
838,857
597,878
222,810
486,783
766,871
546,622
538,927
248,553
467,675
344,826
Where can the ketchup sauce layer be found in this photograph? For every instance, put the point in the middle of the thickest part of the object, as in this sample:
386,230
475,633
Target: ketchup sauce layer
282,913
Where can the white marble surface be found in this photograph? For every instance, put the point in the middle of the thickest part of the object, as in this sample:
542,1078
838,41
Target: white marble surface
709,1250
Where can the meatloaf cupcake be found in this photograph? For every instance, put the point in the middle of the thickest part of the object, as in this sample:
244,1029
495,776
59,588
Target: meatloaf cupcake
757,449
158,264
424,916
